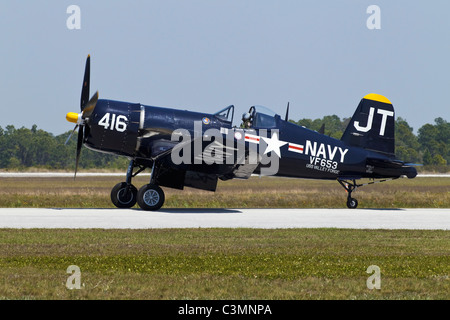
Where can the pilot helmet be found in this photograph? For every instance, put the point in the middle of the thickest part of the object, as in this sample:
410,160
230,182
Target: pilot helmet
246,116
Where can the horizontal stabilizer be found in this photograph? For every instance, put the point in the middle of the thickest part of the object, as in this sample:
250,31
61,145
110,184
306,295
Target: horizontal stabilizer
391,167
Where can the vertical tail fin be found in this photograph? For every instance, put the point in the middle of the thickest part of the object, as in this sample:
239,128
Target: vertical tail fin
372,126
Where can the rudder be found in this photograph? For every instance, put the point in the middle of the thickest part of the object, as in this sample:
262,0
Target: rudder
372,126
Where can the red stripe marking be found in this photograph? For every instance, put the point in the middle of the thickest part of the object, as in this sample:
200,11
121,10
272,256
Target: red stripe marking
251,138
296,148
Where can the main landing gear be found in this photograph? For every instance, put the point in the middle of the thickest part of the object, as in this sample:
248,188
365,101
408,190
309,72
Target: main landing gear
150,197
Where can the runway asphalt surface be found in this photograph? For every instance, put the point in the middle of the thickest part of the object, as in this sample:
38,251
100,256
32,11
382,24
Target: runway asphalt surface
25,218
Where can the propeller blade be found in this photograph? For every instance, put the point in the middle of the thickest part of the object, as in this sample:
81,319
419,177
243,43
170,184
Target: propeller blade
70,135
86,84
89,108
79,145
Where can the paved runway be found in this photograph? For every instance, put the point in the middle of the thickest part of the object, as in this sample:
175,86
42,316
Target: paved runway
226,218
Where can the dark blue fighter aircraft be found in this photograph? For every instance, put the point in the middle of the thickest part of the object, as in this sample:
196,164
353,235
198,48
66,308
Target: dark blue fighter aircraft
194,149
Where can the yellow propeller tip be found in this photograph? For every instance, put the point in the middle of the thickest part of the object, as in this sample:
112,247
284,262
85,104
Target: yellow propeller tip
72,117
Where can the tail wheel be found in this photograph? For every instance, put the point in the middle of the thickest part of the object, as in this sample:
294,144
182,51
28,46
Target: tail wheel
150,197
123,198
352,203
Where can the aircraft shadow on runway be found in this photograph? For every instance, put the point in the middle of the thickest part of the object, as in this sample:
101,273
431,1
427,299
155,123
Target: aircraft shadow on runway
198,210
166,210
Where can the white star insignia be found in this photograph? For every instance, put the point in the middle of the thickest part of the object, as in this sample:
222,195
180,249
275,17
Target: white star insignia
273,144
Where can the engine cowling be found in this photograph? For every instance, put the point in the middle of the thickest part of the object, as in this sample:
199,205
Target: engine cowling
113,127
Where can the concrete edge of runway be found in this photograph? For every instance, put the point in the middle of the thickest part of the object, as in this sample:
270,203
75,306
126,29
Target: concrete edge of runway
389,219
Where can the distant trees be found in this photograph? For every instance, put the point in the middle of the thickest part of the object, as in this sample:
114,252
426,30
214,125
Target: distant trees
35,148
407,146
435,142
24,148
334,126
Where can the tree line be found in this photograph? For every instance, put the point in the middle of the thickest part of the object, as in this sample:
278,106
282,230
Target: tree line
35,148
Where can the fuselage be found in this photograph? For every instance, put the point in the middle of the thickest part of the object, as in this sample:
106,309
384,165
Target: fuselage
143,132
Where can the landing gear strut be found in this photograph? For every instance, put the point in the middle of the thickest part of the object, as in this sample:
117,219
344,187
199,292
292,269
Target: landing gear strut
352,203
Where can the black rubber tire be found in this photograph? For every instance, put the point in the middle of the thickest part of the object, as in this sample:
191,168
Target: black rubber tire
150,197
352,203
118,193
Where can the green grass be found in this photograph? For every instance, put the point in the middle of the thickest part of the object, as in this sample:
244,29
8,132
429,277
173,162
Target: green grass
224,264
266,192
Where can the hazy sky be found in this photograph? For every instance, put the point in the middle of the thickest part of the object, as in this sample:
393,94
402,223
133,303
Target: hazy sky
204,55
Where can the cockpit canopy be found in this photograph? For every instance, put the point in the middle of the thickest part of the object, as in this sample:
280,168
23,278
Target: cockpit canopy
260,117
226,114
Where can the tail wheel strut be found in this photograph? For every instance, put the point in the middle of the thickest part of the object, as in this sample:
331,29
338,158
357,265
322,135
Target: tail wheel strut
351,186
352,203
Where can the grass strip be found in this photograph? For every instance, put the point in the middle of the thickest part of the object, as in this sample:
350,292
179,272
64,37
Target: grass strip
224,264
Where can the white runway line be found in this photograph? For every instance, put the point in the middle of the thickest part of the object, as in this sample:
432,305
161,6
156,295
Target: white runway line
61,174
115,174
426,219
